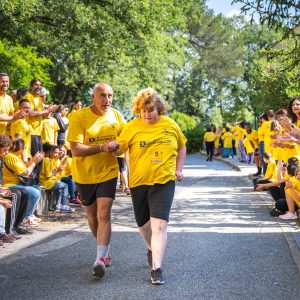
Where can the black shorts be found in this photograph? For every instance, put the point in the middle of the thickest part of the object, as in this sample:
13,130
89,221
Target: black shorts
152,201
122,164
90,192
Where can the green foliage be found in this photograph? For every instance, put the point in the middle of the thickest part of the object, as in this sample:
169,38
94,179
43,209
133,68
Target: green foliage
23,64
184,121
195,139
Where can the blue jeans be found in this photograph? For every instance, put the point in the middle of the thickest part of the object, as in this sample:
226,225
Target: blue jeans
34,196
63,193
228,152
71,186
261,149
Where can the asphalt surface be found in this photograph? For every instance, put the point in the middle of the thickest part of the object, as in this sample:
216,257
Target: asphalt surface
222,244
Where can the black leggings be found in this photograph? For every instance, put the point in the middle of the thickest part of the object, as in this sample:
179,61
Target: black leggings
210,149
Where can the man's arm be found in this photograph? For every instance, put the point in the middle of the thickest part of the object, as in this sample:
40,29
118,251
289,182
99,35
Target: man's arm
81,150
179,163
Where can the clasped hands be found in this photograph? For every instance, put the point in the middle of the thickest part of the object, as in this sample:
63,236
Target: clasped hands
110,147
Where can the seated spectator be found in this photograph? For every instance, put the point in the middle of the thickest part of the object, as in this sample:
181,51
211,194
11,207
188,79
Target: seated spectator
292,195
14,166
67,178
271,171
49,175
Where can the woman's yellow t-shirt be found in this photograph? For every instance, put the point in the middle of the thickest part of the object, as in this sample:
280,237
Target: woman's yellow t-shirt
209,137
67,171
46,176
152,150
91,129
16,164
296,185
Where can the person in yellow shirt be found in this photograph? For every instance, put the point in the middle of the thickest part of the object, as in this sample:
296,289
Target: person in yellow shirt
21,128
251,143
50,175
227,141
36,114
95,171
209,140
7,114
50,130
271,173
292,194
14,166
156,144
75,107
240,149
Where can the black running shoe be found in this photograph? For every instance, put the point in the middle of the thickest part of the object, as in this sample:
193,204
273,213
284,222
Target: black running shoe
149,257
276,213
99,268
156,277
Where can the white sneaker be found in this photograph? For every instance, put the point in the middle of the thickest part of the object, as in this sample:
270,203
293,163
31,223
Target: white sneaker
58,207
36,219
289,216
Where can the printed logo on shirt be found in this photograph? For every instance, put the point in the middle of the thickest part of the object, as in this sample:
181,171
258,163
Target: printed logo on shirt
144,144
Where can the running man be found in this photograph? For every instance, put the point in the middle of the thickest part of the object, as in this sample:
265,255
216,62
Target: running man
92,133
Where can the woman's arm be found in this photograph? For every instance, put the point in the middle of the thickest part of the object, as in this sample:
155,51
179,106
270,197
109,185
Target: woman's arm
35,160
81,150
179,163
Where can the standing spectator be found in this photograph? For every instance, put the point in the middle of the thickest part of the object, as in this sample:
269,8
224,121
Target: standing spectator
6,106
209,140
75,107
50,130
21,129
94,171
61,134
36,114
227,142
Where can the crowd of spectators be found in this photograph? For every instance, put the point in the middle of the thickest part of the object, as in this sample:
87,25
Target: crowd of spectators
275,150
34,156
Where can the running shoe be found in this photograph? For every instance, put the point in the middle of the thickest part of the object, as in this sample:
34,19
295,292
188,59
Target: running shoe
66,209
99,268
36,219
156,277
107,260
127,191
75,203
5,238
58,207
149,258
30,222
289,216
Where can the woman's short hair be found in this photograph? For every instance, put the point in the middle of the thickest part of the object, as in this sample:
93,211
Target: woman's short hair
148,99
5,141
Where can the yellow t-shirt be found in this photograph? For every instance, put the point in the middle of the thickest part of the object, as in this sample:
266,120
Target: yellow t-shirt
50,126
227,138
234,131
152,150
56,163
66,121
91,129
266,131
296,185
271,171
16,164
260,134
253,138
22,127
46,176
72,113
209,137
67,171
6,109
36,123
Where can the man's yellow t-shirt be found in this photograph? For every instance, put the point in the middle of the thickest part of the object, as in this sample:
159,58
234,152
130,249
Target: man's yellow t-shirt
152,150
260,134
16,164
296,185
21,127
227,138
50,126
266,131
47,179
91,129
36,123
209,137
6,109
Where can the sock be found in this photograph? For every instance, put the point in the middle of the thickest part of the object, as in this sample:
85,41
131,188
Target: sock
101,251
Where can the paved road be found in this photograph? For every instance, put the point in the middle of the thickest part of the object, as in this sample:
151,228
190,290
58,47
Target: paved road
222,245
